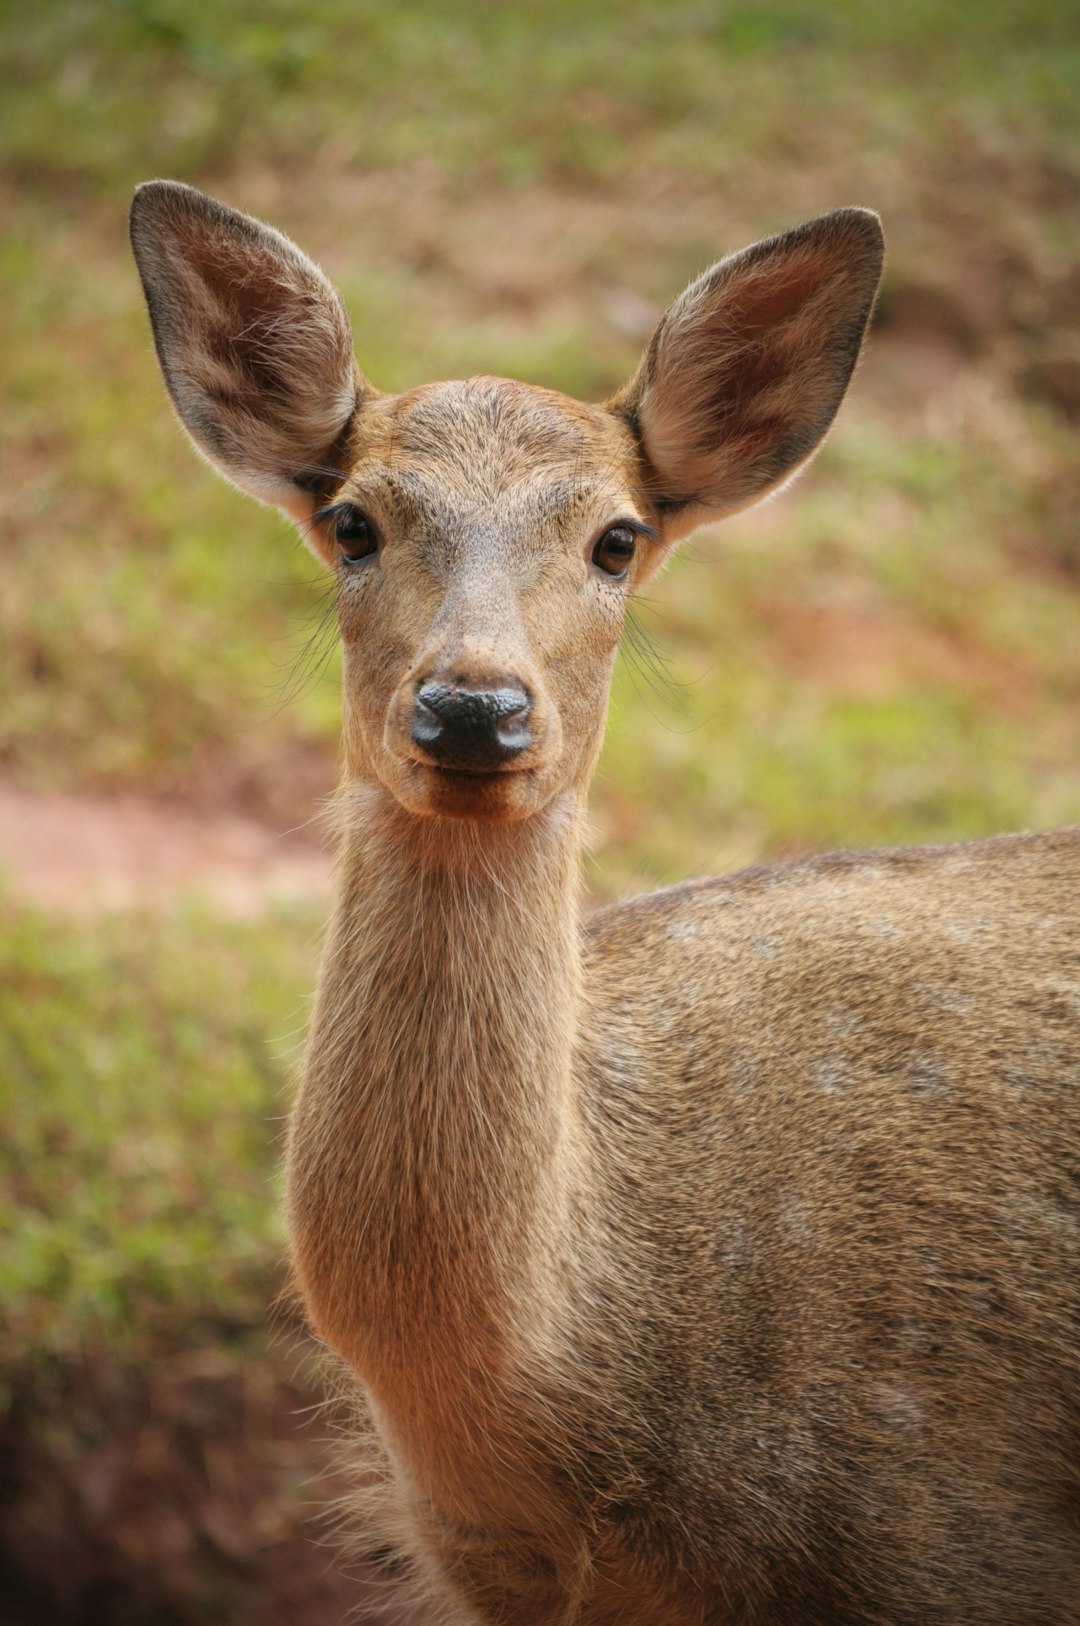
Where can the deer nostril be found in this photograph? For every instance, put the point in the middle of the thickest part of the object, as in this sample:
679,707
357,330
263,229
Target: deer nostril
512,730
427,721
471,729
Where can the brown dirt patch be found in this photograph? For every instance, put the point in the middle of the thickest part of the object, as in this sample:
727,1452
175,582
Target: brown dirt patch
80,853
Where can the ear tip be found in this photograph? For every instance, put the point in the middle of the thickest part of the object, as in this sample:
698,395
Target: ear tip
860,225
867,220
160,200
150,203
152,194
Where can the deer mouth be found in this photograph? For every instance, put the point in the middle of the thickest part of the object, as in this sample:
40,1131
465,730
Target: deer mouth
480,774
488,794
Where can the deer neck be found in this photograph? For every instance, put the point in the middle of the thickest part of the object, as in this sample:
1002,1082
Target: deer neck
432,1148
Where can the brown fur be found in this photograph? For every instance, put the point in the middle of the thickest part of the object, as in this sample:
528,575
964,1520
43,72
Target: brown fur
714,1259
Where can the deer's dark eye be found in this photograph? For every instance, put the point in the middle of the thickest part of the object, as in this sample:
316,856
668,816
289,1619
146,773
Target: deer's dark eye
614,551
354,534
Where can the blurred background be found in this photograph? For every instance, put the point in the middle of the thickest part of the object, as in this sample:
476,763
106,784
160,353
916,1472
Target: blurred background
889,652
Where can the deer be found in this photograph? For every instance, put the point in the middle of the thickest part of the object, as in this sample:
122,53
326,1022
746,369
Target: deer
707,1259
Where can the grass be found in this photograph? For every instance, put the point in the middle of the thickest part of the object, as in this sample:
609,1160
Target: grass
559,94
144,1073
887,653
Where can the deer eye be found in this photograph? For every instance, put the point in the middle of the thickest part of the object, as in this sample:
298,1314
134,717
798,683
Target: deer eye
614,551
354,534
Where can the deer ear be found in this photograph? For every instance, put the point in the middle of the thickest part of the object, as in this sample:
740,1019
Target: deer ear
253,342
745,372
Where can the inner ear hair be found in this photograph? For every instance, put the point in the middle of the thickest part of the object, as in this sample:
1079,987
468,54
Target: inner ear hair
745,372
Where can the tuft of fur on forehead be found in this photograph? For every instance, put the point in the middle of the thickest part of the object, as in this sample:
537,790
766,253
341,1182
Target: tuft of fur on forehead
485,418
482,437
253,341
745,372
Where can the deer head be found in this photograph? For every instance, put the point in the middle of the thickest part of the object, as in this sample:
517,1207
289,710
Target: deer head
486,535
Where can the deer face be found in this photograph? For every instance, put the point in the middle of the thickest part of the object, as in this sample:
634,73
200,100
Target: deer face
484,544
485,535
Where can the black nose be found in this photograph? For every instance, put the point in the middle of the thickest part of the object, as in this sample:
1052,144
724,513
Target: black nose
476,730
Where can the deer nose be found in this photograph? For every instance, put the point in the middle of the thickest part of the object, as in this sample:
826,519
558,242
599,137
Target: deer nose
475,730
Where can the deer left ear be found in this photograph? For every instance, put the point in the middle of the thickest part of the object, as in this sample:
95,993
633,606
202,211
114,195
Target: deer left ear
746,370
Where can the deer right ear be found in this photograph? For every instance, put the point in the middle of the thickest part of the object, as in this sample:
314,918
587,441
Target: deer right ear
745,372
253,341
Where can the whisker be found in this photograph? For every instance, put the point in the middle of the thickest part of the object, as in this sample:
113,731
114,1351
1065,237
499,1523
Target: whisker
651,675
302,668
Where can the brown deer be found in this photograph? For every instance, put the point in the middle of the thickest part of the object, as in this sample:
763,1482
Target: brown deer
715,1257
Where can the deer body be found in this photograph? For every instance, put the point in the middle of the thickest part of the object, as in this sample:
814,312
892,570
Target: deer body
712,1259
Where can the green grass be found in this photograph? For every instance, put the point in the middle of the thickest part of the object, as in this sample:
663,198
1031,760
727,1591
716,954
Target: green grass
516,93
144,1073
